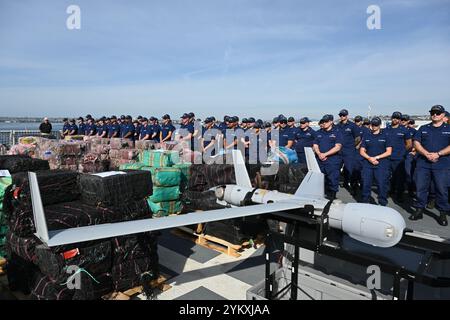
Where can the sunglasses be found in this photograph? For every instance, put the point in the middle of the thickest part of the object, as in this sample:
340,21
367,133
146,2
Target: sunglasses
303,122
435,113
342,115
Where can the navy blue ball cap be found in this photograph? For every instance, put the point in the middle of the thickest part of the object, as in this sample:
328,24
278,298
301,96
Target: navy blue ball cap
185,116
412,121
437,108
208,120
375,121
166,116
81,118
267,124
191,115
213,118
245,120
275,120
405,117
251,120
304,120
366,121
88,116
358,119
396,115
447,114
326,118
282,119
290,119
343,112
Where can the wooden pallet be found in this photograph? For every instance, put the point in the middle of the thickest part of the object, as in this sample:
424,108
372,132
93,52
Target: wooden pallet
159,284
211,242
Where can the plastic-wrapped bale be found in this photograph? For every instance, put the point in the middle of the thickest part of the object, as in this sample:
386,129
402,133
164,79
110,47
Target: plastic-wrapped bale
94,167
128,154
24,247
204,177
136,272
165,208
239,230
146,144
132,247
5,182
64,163
55,186
90,288
197,200
123,187
291,174
162,194
95,257
114,164
78,214
131,166
165,177
185,174
159,158
119,143
19,163
20,274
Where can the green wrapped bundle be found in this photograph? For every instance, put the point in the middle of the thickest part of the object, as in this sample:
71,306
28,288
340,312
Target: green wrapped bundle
163,209
4,183
131,166
166,177
159,158
161,194
184,168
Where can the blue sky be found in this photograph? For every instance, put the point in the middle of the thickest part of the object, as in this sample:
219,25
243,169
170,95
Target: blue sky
245,57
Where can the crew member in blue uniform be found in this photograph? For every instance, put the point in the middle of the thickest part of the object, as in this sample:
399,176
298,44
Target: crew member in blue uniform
114,128
350,139
65,129
188,127
145,133
230,140
102,129
208,139
73,128
432,143
304,137
82,126
376,150
127,130
286,136
90,128
327,146
167,128
359,122
401,140
410,159
156,129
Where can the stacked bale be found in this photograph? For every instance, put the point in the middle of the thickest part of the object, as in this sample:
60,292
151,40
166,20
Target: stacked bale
104,265
121,152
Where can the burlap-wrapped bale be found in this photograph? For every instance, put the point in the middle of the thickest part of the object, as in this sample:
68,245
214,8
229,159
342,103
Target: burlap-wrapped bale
119,143
116,189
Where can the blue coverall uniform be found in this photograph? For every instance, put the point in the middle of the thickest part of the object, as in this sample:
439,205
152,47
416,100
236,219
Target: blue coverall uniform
349,131
433,139
398,136
303,138
375,144
327,140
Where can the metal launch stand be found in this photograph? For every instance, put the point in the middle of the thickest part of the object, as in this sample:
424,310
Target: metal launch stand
312,232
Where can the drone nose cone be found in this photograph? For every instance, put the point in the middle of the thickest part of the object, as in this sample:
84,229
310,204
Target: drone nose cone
375,225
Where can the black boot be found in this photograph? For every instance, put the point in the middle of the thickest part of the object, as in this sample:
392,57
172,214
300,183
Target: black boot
331,195
442,220
417,215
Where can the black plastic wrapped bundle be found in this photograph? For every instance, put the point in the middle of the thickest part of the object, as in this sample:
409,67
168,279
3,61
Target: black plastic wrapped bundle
56,186
132,273
20,273
237,231
24,247
291,174
94,257
19,163
134,247
196,200
116,189
44,288
78,214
